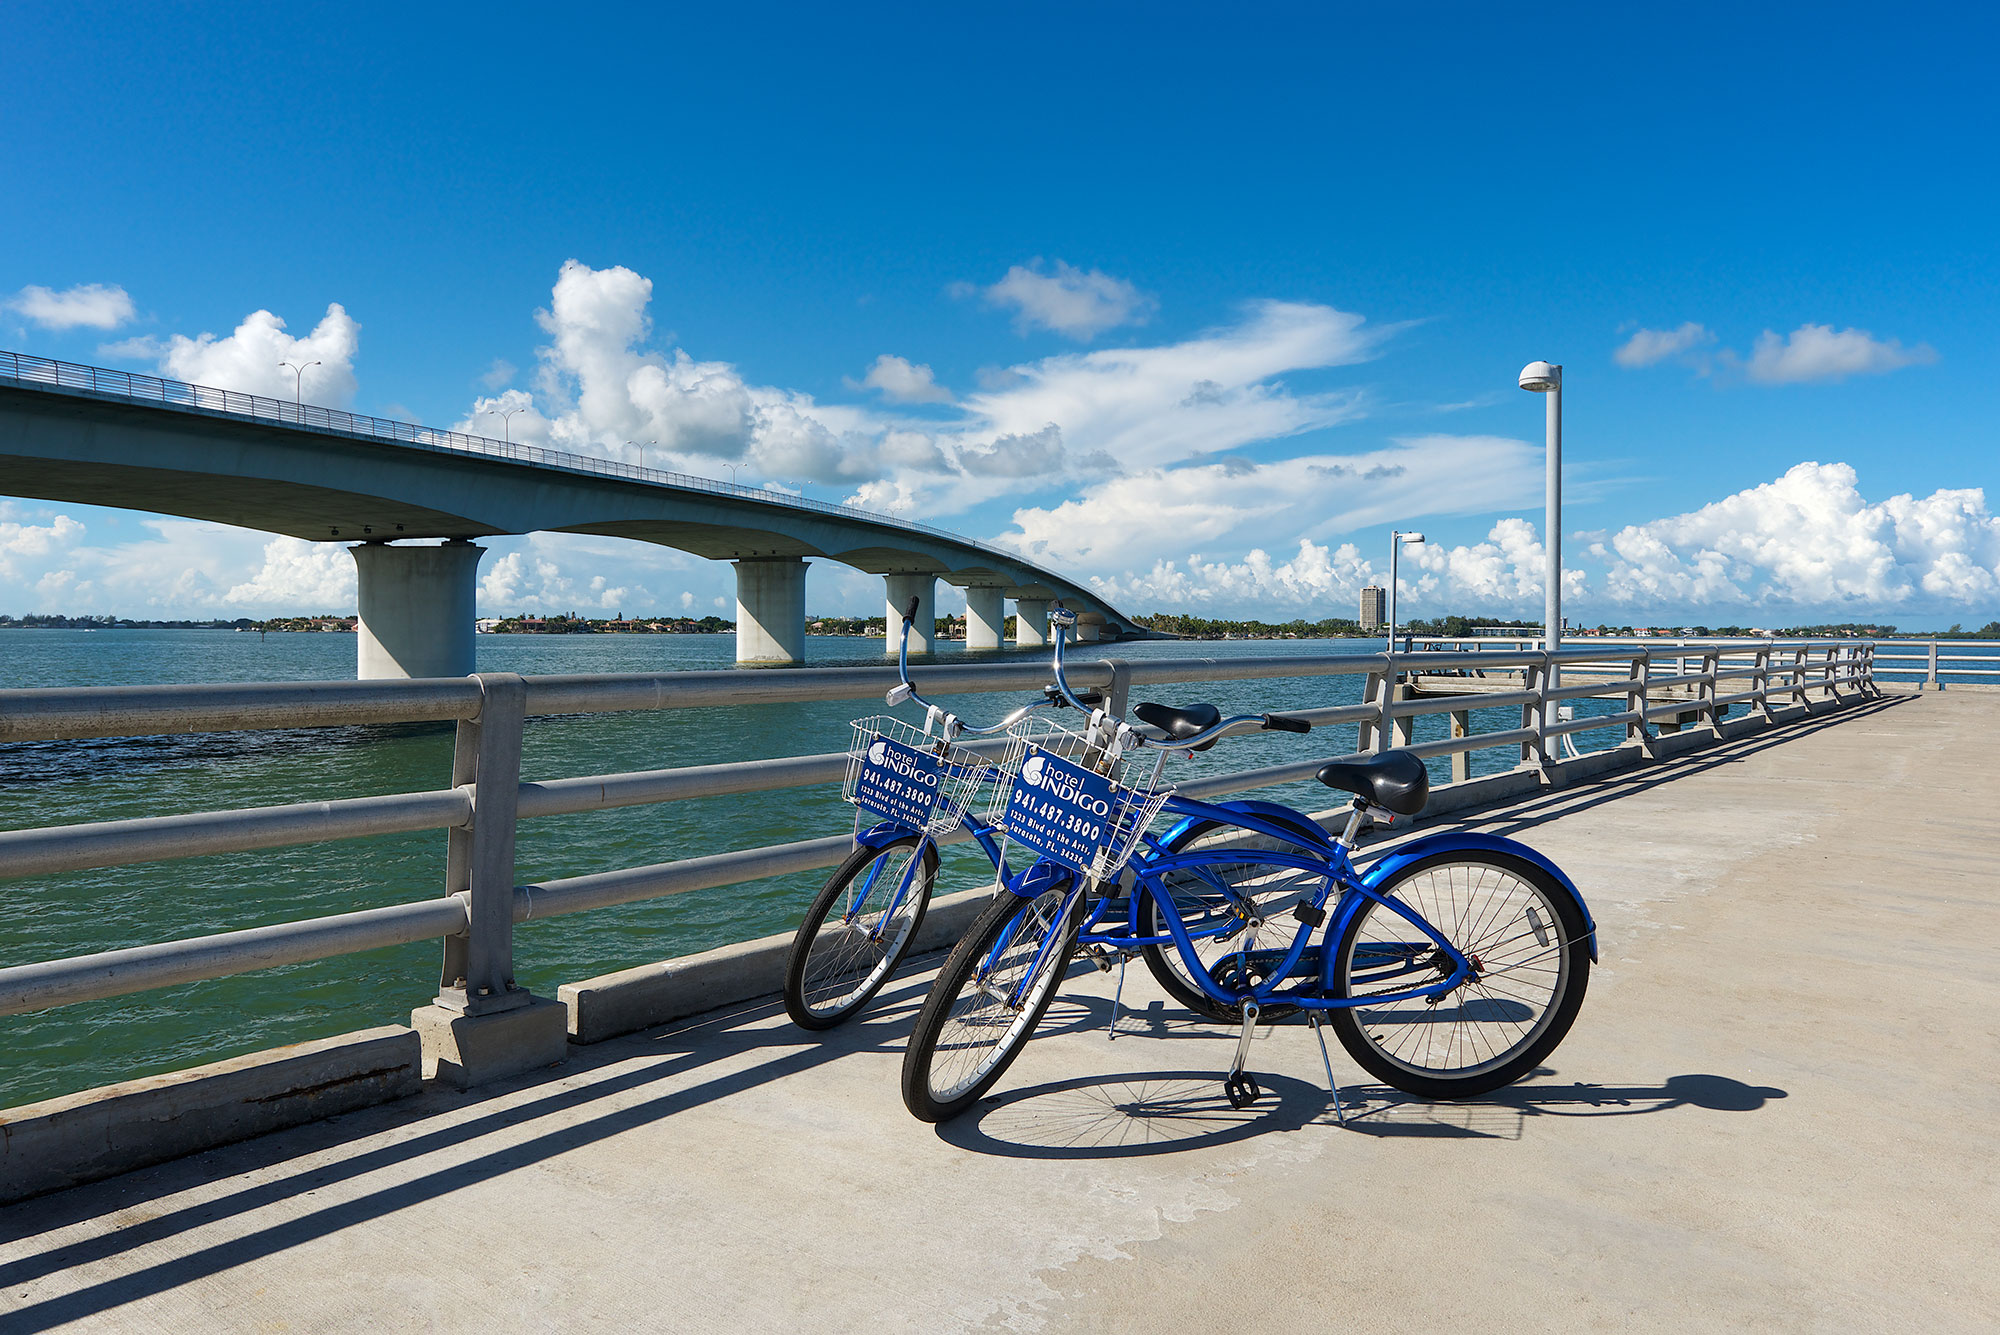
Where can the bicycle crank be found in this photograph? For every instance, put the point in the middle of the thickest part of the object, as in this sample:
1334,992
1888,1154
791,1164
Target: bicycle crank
1240,1087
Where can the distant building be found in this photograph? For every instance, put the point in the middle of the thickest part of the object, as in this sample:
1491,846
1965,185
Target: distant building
1374,608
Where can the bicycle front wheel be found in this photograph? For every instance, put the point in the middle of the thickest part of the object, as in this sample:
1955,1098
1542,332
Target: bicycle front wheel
1529,944
987,1000
857,931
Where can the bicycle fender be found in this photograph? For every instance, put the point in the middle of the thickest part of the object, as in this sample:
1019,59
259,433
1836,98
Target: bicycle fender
881,836
1249,806
1386,868
1038,879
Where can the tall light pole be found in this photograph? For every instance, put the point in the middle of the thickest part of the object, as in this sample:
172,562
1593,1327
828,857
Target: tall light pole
506,426
642,451
298,371
1546,378
1397,540
732,472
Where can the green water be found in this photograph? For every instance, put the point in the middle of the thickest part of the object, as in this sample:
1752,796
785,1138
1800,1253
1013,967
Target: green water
53,783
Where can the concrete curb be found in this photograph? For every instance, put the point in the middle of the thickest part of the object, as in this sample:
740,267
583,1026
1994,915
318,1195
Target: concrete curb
652,994
102,1132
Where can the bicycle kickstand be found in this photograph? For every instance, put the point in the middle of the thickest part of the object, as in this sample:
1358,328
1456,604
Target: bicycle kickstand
1111,1034
1241,1087
1313,1019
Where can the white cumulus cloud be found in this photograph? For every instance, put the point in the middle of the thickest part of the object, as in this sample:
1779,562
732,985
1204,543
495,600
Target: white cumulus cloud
85,306
249,359
1073,302
1648,347
299,577
1819,352
1810,539
898,381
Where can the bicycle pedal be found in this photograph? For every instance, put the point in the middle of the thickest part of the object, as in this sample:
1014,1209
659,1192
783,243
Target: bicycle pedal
1242,1090
1101,957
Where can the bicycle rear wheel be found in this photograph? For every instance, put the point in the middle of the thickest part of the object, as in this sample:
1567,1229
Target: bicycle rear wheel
857,931
1529,941
987,1000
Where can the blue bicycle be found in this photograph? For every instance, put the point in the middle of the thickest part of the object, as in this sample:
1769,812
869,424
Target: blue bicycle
864,920
1447,968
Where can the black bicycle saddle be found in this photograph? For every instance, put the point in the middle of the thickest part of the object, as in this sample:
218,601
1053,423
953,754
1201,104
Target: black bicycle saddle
1395,780
1179,723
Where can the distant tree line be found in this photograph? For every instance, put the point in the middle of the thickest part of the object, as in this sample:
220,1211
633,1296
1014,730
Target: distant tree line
1210,628
47,621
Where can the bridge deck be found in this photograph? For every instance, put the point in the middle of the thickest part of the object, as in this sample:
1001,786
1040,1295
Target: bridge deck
1776,1112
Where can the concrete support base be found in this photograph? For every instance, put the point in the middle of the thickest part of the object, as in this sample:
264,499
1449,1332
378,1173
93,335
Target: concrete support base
416,610
985,617
463,1050
771,611
902,588
1031,622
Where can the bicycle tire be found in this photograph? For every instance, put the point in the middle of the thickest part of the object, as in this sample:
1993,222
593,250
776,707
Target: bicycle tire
831,975
1165,961
1489,906
980,1039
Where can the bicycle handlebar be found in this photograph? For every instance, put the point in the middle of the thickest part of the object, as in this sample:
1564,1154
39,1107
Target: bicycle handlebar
1061,619
951,725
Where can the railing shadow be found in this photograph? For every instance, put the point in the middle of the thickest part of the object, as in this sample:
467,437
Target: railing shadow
1172,1112
423,1127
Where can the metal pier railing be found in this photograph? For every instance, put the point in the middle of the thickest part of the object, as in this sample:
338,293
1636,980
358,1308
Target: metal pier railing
486,798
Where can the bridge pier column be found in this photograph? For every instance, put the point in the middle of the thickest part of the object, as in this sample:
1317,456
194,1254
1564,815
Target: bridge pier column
902,588
415,608
1089,632
771,611
1031,623
985,617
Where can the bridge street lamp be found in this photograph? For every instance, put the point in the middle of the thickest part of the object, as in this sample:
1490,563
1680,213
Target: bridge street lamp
1397,540
1546,378
642,451
506,426
298,371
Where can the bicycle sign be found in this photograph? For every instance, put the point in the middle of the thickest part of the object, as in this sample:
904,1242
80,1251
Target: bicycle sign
898,782
1061,810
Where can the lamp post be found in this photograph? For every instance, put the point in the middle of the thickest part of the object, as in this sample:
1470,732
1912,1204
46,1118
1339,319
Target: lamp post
1547,378
298,371
732,472
506,425
1397,540
642,451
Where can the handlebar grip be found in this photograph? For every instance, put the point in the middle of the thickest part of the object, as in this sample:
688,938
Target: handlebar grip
910,612
1286,723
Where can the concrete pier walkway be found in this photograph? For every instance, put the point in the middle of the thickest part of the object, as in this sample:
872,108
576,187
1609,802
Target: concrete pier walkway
1776,1112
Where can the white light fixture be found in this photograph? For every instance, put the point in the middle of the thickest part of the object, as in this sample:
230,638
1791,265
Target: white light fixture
1397,541
1547,378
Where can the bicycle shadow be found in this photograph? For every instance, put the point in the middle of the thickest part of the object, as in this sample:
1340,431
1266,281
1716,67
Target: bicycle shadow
1171,1112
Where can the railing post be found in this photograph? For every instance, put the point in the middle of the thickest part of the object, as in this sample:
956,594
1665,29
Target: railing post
482,1026
1761,683
1120,691
1534,714
1401,726
1930,679
1370,689
478,974
1711,664
1461,761
1636,701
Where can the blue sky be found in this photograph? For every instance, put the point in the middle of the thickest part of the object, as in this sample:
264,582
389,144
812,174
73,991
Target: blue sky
1182,280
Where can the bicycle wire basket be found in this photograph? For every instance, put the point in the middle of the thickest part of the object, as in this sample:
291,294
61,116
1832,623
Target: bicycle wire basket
960,771
1137,793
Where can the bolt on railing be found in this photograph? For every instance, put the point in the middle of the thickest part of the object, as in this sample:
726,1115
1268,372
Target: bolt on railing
482,810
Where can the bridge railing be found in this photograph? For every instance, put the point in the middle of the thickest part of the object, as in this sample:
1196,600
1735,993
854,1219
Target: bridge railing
1934,662
103,382
486,798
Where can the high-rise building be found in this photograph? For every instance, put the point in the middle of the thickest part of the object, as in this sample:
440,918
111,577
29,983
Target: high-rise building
1374,607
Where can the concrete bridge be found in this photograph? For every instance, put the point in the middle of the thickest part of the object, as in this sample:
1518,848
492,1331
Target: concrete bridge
100,437
1773,1114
